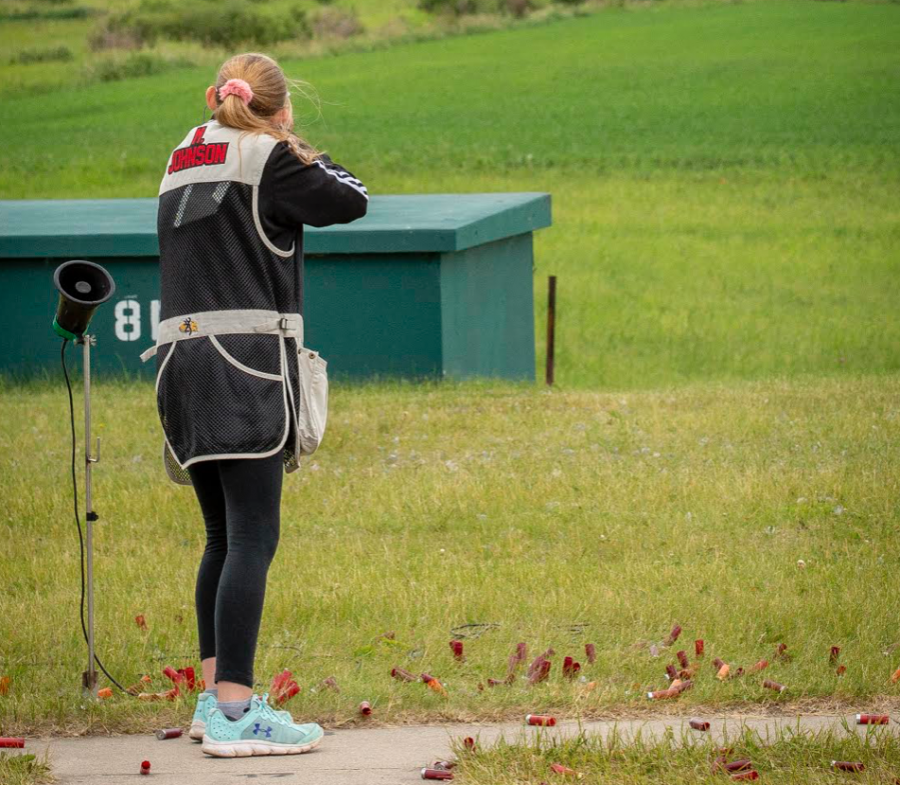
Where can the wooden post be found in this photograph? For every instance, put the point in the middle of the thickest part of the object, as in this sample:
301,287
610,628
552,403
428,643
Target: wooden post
551,323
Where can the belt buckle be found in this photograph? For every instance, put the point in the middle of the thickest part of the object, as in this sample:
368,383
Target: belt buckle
283,324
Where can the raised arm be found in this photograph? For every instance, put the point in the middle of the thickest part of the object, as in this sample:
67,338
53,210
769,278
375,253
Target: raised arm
318,194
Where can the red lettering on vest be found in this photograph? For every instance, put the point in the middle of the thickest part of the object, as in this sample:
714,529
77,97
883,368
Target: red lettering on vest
198,155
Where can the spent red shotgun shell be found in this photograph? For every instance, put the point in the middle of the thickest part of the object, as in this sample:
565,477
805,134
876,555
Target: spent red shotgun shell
189,676
541,673
699,724
12,741
444,765
544,720
872,719
292,689
330,684
558,768
841,670
835,653
682,658
671,673
590,651
433,683
365,708
280,681
436,774
751,774
538,662
402,675
759,666
145,767
718,662
698,647
774,685
173,674
846,765
658,695
457,648
469,743
673,636
738,765
168,733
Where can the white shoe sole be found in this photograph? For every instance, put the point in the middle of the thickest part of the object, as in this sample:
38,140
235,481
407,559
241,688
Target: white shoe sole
244,748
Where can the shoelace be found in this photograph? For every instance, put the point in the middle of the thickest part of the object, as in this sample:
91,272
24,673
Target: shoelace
268,711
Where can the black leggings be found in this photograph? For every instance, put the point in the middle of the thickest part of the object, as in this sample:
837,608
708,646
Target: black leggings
241,504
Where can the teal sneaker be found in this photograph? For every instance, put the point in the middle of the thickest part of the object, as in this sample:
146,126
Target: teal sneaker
261,731
206,702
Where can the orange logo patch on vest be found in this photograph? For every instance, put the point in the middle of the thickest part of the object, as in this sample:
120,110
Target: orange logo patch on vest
189,326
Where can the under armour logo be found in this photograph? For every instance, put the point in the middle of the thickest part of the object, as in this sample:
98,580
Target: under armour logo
257,729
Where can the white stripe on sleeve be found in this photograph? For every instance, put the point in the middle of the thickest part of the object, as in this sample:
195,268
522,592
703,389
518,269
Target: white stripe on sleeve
352,182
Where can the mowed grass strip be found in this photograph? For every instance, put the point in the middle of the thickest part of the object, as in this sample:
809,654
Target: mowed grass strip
563,517
783,756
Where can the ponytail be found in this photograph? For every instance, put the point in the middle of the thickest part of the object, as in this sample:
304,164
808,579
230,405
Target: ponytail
250,90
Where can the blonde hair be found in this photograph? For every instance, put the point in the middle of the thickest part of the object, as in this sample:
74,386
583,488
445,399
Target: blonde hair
270,94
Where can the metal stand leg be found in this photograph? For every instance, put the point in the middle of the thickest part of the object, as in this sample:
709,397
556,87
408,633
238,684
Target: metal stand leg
89,677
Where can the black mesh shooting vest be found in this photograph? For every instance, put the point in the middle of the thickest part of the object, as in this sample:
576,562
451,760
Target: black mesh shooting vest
224,394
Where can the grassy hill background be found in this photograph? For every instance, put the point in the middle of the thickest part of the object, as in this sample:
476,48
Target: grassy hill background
48,44
724,176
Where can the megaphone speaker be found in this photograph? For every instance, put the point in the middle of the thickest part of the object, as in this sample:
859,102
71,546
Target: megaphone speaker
83,286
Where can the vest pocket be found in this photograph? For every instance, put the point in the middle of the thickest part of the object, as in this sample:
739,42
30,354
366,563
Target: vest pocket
238,364
214,406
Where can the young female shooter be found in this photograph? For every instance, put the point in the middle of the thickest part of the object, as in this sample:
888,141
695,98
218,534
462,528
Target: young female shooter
232,205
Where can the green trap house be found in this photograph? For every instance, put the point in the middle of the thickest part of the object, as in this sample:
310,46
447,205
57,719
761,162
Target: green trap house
423,286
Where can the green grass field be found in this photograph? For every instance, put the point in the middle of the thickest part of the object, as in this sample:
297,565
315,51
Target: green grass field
725,182
430,507
724,176
784,758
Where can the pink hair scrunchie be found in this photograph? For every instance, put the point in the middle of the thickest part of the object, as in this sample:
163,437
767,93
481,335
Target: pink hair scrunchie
237,87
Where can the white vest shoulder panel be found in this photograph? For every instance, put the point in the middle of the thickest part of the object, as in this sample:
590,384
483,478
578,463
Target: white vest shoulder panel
214,152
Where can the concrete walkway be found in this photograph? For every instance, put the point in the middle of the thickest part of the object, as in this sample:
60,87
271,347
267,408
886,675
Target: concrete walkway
375,756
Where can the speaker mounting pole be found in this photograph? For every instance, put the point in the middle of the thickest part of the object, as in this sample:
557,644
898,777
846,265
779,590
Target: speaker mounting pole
89,677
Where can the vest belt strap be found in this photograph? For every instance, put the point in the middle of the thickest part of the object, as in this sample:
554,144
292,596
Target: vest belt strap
201,325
